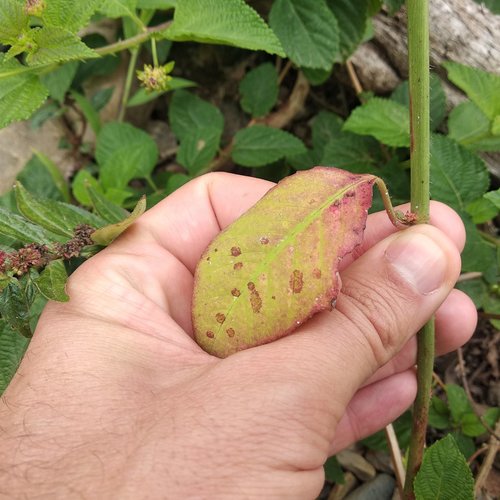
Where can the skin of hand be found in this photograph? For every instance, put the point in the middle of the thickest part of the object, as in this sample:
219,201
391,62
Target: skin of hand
114,399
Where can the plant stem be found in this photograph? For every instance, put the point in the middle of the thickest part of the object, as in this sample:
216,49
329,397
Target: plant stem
154,52
134,54
418,53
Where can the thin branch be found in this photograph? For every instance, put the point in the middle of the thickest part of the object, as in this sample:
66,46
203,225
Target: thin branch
488,462
397,459
354,78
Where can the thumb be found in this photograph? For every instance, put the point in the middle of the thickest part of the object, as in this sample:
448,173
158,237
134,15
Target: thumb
387,295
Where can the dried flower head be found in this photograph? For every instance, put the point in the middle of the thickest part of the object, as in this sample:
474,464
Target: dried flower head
34,7
155,78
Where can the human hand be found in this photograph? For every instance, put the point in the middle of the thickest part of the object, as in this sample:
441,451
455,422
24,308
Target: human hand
114,399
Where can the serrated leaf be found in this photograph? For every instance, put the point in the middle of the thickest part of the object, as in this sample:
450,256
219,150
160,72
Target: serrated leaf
21,92
470,127
105,235
260,145
458,401
386,120
115,136
457,175
156,4
482,210
118,8
259,90
249,286
444,474
230,22
59,81
308,31
55,44
14,308
188,112
483,88
142,96
13,21
352,18
350,152
494,197
57,13
105,208
12,348
52,281
19,229
60,218
325,126
471,426
198,149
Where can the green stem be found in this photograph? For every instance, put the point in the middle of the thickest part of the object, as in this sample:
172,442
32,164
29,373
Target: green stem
418,53
134,54
154,52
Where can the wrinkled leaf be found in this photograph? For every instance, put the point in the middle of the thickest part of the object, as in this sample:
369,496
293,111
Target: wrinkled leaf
105,235
60,218
19,229
104,207
12,347
444,474
276,266
52,281
259,90
14,308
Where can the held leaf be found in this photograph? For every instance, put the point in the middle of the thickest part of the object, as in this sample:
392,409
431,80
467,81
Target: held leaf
277,265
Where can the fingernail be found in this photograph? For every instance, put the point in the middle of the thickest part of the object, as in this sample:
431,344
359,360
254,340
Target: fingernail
418,260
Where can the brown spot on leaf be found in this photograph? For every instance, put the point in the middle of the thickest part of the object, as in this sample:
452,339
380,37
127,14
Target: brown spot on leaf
235,292
255,300
208,259
264,240
235,251
230,332
220,318
251,286
237,266
273,297
216,249
350,194
316,273
210,334
296,281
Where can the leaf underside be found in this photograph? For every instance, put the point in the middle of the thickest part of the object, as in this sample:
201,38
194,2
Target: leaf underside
276,266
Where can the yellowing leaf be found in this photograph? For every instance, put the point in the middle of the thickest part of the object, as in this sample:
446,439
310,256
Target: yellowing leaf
105,235
276,266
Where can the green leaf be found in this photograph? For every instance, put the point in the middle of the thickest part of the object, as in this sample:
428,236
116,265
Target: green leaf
39,179
21,92
492,5
90,113
59,81
444,474
118,8
52,281
482,210
104,207
349,151
115,137
142,96
230,22
105,235
316,76
465,444
471,426
437,103
57,13
457,175
476,289
308,31
175,181
439,414
352,18
19,229
12,348
483,88
259,90
156,4
198,149
333,471
249,286
494,197
13,21
325,126
386,120
81,181
491,416
394,5
469,126
56,44
188,112
60,218
458,402
132,162
259,145
14,308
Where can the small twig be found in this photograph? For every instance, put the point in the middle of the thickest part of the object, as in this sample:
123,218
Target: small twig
354,78
469,276
487,315
438,381
488,461
284,72
397,459
134,54
465,384
478,453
